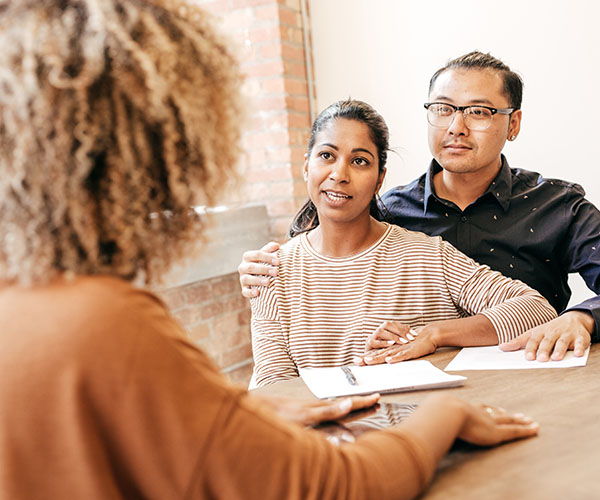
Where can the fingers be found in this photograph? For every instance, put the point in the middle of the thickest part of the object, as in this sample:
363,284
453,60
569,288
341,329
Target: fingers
515,344
378,356
256,268
360,402
560,348
390,333
531,348
581,344
270,247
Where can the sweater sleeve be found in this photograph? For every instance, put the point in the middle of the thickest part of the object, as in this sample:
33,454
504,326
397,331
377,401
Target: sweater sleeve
255,455
510,305
272,360
180,430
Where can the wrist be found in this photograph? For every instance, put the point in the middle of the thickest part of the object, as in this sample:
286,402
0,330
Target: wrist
582,318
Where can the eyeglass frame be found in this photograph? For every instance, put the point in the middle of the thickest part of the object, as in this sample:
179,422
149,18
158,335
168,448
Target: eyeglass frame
500,111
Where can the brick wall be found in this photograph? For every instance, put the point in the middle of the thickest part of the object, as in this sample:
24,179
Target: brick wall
270,42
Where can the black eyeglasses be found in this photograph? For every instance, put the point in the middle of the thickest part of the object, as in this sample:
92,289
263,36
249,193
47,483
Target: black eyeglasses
441,114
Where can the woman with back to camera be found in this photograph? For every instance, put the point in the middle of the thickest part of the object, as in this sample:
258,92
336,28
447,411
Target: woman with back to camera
116,117
346,274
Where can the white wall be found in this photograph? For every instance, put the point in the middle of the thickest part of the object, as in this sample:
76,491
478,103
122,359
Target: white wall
384,52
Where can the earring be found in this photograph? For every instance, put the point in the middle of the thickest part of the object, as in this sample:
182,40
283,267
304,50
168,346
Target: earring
512,137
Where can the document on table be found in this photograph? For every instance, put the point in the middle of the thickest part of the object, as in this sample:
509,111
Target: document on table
492,358
397,377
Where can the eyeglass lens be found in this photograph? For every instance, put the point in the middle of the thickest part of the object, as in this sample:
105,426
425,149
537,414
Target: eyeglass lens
475,117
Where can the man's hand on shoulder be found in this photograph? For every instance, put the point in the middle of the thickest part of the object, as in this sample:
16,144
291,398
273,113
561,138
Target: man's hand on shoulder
257,267
570,331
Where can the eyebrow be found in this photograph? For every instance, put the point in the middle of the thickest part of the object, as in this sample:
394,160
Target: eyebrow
471,102
355,150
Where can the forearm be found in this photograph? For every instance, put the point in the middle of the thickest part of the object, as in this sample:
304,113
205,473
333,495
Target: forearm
475,330
272,361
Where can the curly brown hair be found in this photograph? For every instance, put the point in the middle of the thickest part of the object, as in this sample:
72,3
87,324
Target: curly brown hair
116,117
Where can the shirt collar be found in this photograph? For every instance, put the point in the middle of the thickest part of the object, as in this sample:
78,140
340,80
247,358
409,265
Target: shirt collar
500,188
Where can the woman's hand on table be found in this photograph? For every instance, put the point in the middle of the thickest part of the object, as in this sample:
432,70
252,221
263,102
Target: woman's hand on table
311,412
393,341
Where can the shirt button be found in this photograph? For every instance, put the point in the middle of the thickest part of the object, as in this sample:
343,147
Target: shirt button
463,218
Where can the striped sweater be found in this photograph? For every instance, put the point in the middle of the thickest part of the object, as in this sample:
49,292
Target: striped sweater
319,310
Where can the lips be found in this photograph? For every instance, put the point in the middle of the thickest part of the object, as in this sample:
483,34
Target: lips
336,195
456,146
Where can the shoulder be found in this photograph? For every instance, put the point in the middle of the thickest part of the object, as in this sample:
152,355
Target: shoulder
400,239
406,192
526,180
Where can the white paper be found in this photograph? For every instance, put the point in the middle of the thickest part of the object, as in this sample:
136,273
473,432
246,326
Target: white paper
397,377
492,358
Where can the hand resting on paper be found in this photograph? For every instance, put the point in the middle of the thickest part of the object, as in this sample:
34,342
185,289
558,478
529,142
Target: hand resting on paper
311,412
552,340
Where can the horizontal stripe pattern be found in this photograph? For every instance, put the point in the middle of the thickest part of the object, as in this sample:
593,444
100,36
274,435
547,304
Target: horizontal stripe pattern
319,310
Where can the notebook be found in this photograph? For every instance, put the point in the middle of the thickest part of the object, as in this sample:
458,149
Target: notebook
398,377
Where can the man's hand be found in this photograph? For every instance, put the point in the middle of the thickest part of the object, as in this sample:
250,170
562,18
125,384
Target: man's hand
552,340
311,412
256,267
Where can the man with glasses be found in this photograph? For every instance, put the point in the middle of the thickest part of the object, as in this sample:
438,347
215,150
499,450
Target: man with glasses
529,228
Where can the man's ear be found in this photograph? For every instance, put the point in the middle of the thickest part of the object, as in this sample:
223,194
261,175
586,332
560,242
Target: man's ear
514,126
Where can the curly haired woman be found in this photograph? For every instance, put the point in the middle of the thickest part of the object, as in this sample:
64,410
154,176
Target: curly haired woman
117,115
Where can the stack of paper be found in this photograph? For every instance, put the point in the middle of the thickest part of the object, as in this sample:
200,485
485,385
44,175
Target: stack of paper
398,377
492,358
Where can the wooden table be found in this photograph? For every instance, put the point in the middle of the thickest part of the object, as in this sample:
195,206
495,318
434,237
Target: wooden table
563,462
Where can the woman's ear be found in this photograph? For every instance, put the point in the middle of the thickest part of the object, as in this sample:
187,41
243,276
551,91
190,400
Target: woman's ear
305,167
380,180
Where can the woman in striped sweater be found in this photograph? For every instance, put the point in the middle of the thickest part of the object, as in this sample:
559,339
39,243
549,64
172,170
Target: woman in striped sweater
346,274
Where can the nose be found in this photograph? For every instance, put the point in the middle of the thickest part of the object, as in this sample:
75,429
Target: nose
339,171
457,125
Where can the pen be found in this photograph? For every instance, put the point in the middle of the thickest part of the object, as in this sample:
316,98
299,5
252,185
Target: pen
349,375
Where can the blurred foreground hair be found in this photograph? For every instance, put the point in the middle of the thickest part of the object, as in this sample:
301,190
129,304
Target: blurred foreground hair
115,117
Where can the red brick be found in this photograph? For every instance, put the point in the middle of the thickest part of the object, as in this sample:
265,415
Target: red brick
268,12
244,316
198,292
211,310
292,53
290,17
237,4
226,325
199,332
174,298
295,86
290,34
240,18
226,286
295,69
241,375
280,226
188,316
268,174
279,155
264,34
236,355
273,86
281,207
269,50
272,68
270,103
257,158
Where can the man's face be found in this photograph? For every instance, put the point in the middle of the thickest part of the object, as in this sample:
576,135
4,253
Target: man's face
458,149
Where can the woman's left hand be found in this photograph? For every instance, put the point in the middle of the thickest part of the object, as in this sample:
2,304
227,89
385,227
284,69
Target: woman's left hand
418,346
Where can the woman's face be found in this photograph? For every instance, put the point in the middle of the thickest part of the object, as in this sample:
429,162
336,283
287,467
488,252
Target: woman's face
342,171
